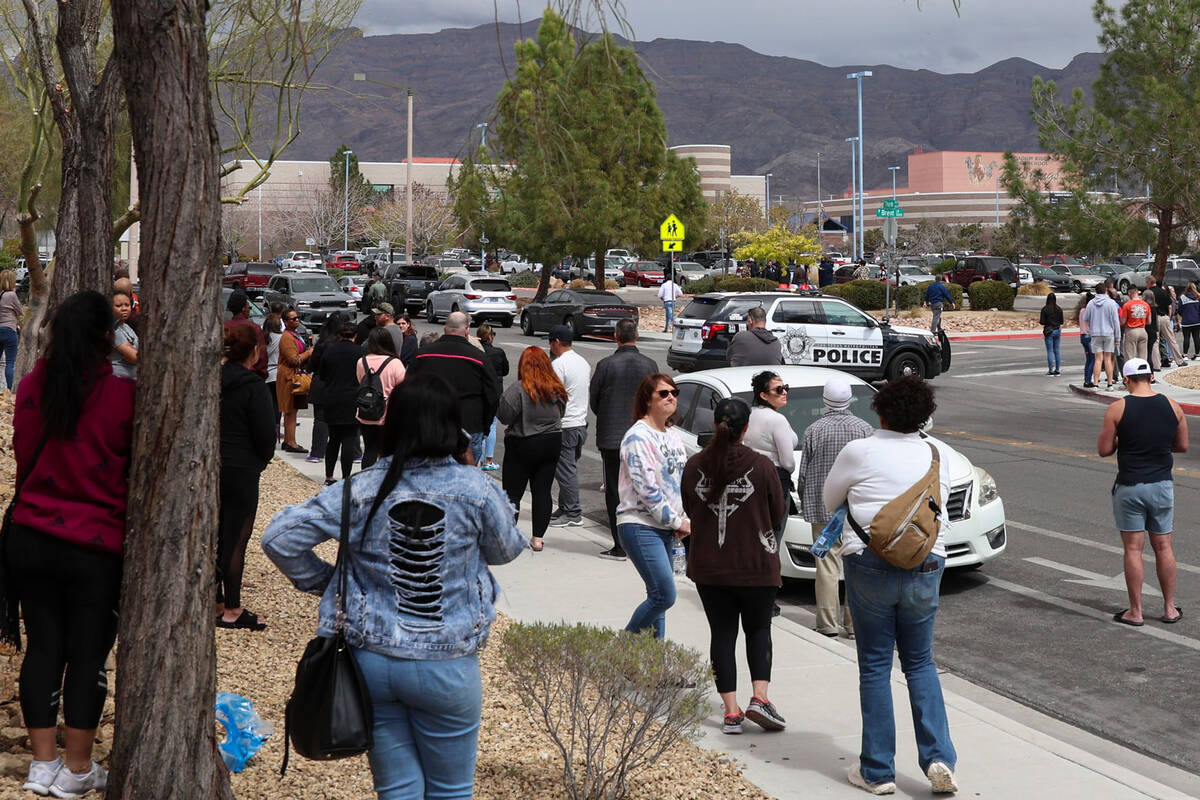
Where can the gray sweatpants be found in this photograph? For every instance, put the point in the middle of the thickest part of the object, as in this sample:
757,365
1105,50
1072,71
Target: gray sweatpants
567,472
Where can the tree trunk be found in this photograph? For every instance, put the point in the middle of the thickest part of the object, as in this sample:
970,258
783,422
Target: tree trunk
165,744
1162,250
29,345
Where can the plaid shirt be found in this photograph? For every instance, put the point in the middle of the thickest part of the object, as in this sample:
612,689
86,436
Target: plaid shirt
823,440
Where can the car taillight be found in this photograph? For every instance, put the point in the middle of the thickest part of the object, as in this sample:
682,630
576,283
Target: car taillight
512,297
472,296
712,329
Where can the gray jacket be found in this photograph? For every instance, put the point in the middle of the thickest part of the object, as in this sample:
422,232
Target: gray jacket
755,347
611,392
525,417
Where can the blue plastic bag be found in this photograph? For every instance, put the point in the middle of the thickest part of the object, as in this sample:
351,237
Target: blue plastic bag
245,730
831,533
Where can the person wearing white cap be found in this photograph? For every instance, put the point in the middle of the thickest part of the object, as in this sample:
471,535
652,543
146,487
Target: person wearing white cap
823,440
1144,428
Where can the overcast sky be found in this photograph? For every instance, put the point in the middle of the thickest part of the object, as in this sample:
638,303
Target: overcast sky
849,32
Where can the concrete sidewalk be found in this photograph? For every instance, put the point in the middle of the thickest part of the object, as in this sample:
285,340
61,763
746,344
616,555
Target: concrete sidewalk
1188,399
1005,749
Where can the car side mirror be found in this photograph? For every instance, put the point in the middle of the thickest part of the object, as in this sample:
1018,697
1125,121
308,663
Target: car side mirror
927,425
703,439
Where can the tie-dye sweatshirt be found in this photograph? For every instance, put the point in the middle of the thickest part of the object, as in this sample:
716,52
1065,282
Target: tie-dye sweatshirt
651,468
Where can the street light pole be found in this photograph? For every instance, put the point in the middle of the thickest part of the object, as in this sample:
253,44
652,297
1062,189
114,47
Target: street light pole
820,208
997,201
482,128
858,76
853,140
893,170
767,214
346,208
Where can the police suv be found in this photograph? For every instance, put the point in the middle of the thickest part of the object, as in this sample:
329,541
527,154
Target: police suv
816,331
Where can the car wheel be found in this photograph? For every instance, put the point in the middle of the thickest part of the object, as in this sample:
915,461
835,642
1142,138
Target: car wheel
429,315
526,325
576,328
507,323
907,363
1076,287
1124,287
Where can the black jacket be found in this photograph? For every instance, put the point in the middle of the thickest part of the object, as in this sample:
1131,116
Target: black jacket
611,392
470,374
247,420
499,360
339,381
409,351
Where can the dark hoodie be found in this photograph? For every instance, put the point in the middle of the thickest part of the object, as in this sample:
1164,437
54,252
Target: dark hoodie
743,549
755,347
247,419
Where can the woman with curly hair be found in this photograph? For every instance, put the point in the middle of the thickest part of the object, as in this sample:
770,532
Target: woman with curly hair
532,409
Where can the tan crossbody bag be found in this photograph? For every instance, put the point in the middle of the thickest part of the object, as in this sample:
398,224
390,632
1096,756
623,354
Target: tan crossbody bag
906,528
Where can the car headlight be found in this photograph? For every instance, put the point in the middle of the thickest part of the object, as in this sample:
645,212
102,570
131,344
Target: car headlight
988,493
931,340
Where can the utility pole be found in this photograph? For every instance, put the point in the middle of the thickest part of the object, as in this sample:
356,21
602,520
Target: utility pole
858,76
346,208
820,209
853,140
408,211
767,213
482,128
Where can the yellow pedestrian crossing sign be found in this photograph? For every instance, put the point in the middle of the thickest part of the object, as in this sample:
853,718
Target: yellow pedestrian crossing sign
672,246
671,229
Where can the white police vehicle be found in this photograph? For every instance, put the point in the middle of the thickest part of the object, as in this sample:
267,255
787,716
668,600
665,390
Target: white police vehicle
816,331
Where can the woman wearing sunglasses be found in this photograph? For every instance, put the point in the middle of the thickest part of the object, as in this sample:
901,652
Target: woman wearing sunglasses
769,431
650,512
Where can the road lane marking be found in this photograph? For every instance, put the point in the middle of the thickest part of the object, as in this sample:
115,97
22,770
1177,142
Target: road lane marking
1108,548
990,373
1091,613
1043,448
1096,579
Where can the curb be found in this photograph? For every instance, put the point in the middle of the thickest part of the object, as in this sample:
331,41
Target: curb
1003,336
1191,409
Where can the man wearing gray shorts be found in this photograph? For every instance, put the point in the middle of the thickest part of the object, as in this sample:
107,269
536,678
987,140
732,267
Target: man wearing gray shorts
1104,321
1144,428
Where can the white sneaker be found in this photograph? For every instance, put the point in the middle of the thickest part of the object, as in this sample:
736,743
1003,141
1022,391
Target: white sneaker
856,779
41,775
941,778
68,784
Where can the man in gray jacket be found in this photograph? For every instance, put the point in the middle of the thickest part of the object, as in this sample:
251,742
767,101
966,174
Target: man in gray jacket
755,346
610,395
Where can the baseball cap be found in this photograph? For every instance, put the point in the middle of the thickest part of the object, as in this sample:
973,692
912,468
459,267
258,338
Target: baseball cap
1136,366
384,308
560,333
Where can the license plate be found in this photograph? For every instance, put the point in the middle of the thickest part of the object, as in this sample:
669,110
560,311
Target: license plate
612,323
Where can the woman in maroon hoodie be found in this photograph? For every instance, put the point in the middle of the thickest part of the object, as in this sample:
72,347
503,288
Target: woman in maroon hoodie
72,434
734,499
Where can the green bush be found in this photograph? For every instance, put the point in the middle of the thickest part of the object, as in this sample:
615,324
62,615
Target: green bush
700,285
990,294
913,296
945,265
612,702
867,295
336,273
527,279
833,289
7,262
733,283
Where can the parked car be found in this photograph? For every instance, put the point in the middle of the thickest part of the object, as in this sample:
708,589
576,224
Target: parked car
586,311
846,274
614,269
1179,277
250,277
345,261
1058,282
408,284
1137,276
643,273
708,257
517,263
912,275
816,330
483,298
688,271
1110,271
1082,277
1127,260
1060,258
368,254
978,533
314,296
298,258
353,285
258,314
974,268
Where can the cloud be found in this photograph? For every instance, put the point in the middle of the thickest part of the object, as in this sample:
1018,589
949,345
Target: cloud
894,32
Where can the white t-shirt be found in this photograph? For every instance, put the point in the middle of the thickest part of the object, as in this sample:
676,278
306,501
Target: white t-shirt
770,434
872,471
575,373
669,291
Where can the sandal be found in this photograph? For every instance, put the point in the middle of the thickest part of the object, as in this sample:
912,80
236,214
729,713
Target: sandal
246,621
536,544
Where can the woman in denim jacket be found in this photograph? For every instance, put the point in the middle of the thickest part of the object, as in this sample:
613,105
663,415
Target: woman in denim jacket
420,598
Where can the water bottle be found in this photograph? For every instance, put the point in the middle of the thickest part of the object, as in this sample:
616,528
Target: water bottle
831,533
678,558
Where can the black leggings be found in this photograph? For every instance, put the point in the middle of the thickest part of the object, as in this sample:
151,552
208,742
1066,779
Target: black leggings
343,439
235,522
69,600
530,460
1191,333
612,475
723,605
371,435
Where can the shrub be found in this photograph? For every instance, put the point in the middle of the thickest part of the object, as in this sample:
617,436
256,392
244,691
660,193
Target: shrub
945,265
7,261
867,295
586,283
991,294
526,279
611,702
1037,289
833,289
733,283
700,285
335,272
913,296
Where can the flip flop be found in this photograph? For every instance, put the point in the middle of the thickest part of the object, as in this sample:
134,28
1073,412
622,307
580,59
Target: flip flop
246,621
1120,617
1172,620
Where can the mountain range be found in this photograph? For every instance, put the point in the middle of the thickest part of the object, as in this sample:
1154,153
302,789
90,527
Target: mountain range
775,112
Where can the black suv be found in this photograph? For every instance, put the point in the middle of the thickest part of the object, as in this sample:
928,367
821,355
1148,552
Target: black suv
408,284
314,295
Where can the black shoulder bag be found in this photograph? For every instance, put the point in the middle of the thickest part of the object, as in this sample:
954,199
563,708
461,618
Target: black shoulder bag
329,714
10,613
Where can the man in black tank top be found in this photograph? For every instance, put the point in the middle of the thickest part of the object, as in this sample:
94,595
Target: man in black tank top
1144,429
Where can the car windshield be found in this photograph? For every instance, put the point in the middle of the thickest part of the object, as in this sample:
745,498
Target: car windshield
492,285
805,406
261,268
700,307
647,266
735,308
913,271
301,255
689,266
1185,263
312,285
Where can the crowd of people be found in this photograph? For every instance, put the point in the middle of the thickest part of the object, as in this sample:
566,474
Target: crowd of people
1115,328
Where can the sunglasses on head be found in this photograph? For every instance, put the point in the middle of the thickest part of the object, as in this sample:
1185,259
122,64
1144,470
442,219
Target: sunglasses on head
665,393
782,389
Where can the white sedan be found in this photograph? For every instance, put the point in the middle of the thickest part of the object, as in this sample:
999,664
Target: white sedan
977,531
514,264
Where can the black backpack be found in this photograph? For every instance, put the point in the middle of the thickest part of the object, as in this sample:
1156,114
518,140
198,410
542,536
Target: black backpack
371,401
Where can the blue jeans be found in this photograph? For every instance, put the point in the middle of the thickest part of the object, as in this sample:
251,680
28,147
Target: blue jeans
1089,358
669,308
650,551
426,725
489,444
477,440
895,608
8,341
1053,357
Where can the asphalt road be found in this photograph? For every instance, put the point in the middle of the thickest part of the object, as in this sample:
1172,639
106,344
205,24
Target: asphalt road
1035,624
